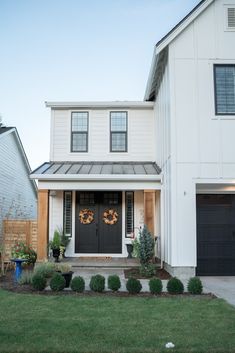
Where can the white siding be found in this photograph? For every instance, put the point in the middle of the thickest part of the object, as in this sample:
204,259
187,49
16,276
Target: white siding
140,137
163,153
17,194
202,143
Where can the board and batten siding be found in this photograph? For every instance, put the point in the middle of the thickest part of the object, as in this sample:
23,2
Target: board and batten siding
18,199
140,132
202,143
163,153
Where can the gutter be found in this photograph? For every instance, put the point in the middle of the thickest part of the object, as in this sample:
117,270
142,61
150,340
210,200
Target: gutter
97,177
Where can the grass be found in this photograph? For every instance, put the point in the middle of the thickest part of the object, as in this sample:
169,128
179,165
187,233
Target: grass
34,323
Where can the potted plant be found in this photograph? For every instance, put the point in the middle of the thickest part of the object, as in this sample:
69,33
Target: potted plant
64,241
129,246
67,273
54,245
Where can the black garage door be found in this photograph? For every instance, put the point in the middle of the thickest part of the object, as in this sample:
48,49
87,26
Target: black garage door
216,235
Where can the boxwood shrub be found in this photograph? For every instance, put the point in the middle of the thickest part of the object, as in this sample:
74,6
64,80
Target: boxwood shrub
195,286
114,283
97,283
133,286
175,286
78,284
57,282
39,282
155,286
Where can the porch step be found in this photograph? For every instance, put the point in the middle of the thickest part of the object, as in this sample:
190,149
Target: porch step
92,263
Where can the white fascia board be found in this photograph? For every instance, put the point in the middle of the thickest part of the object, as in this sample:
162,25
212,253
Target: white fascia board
182,26
96,177
101,105
214,181
99,185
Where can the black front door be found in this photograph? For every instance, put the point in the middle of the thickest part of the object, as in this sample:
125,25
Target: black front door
98,222
216,235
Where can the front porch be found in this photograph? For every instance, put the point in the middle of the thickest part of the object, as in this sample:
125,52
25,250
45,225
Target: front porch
101,213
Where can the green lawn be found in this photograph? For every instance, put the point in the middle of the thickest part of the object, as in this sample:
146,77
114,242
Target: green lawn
34,323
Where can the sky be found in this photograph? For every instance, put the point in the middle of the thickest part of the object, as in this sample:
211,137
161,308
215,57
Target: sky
75,50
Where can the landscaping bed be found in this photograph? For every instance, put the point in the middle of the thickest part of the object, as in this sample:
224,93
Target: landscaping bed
135,273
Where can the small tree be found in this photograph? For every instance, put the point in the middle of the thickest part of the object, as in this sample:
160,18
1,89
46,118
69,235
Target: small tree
146,247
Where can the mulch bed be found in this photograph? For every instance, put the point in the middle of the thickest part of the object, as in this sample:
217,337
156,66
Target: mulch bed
7,283
135,273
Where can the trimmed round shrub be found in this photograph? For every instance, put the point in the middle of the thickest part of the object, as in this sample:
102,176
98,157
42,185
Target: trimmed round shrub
57,282
114,283
97,283
155,286
133,286
78,284
195,286
39,282
175,286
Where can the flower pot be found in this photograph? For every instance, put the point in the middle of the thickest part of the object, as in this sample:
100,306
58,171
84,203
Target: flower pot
68,277
129,248
56,254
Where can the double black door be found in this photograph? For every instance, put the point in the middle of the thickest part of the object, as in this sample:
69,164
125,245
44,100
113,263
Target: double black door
98,222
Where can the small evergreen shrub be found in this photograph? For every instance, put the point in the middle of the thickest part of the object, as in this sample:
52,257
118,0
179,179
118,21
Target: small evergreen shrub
114,283
133,286
195,286
46,270
147,270
78,284
175,286
155,286
57,282
25,278
146,246
97,283
39,282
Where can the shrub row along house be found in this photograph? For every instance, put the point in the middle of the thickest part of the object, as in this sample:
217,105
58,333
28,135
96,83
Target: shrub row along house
168,161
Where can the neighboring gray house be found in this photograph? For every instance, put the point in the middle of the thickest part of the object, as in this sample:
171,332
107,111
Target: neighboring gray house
18,194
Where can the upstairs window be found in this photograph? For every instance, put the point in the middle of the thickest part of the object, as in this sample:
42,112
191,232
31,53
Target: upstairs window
224,89
79,133
118,131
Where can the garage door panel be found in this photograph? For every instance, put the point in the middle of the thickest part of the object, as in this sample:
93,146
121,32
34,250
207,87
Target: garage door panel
216,235
220,215
220,232
216,267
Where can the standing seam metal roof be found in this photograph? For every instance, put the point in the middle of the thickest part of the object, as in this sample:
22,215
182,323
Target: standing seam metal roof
98,168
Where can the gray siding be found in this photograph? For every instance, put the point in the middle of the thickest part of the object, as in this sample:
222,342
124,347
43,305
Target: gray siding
17,194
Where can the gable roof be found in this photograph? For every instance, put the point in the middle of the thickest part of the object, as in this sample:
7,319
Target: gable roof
161,49
8,130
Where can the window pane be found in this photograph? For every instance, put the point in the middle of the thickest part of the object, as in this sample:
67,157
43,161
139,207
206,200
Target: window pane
225,89
79,142
118,142
80,121
118,121
68,212
129,213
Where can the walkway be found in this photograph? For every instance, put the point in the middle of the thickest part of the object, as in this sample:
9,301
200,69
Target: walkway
222,287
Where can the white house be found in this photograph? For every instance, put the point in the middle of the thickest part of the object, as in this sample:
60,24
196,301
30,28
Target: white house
168,161
18,194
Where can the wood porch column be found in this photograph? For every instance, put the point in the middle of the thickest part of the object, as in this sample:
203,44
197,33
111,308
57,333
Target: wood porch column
42,225
150,210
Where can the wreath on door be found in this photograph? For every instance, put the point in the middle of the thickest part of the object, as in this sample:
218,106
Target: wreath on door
86,216
110,217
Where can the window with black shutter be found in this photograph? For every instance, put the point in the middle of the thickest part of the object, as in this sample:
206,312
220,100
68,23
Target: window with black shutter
224,89
68,213
129,214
